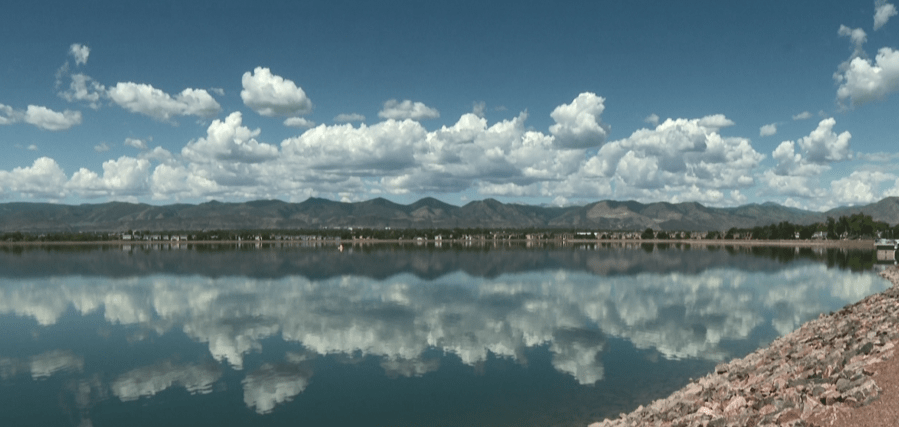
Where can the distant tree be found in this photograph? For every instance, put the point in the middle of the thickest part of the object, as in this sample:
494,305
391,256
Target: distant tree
648,234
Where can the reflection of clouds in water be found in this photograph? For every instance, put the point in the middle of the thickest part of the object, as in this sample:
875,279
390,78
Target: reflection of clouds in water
149,380
42,365
409,367
805,289
271,385
400,318
577,352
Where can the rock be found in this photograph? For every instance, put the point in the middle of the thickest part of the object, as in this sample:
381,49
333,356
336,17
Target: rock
825,365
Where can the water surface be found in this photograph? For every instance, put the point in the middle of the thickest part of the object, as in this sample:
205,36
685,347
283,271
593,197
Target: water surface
389,335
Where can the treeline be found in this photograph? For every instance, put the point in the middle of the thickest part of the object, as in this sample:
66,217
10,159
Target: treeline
855,226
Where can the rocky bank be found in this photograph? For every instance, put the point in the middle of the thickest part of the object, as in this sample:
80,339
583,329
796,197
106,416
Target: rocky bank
812,374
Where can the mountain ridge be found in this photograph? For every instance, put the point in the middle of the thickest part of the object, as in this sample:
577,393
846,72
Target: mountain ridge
425,213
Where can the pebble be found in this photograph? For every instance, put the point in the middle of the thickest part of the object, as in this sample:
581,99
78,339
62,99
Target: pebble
821,368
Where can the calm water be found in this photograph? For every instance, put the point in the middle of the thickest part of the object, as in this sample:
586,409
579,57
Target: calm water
389,335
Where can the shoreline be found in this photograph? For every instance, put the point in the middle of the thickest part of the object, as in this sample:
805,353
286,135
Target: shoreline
823,373
850,244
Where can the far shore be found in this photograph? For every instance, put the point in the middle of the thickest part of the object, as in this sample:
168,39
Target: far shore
850,244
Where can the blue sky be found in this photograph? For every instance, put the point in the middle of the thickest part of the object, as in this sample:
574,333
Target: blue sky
536,102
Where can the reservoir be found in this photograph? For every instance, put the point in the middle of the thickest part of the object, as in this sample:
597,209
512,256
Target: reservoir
388,334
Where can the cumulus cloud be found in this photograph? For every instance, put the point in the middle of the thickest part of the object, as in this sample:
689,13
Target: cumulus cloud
578,124
363,150
856,35
272,95
44,179
136,143
80,53
8,115
83,88
230,141
862,80
675,156
652,119
123,177
802,116
768,130
823,145
48,119
502,159
298,122
179,182
147,100
883,11
820,148
715,122
347,118
101,147
478,107
396,110
860,187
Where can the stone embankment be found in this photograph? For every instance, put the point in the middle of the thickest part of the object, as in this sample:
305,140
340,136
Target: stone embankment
805,378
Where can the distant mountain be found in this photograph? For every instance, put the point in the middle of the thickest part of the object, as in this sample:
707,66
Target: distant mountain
425,213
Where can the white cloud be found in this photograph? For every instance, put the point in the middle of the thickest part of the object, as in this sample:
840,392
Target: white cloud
715,122
44,179
366,150
882,13
229,141
795,173
101,147
862,81
674,157
271,95
768,130
347,118
578,125
158,154
823,145
147,100
478,107
802,116
48,119
32,147
84,88
8,115
178,182
407,109
136,143
856,35
502,159
80,53
652,119
860,187
125,177
298,122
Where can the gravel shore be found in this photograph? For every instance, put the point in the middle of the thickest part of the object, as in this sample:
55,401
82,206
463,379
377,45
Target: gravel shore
820,374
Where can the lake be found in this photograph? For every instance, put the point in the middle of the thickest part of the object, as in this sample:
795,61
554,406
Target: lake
390,335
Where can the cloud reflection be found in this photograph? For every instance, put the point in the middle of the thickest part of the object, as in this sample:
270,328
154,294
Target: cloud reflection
402,317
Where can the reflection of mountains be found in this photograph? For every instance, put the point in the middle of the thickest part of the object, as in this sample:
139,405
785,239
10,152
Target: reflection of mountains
401,318
381,261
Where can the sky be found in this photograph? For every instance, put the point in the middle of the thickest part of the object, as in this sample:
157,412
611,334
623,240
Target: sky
535,102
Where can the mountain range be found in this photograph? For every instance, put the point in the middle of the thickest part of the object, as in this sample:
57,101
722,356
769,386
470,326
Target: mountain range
424,214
